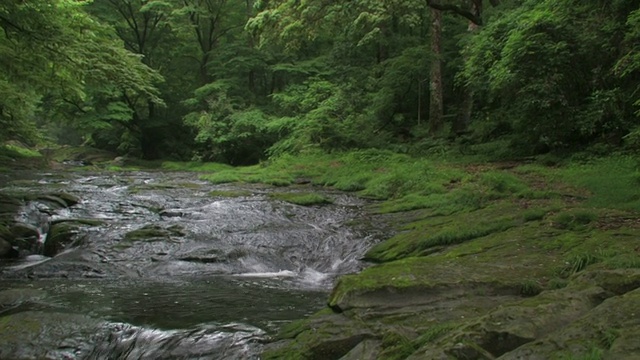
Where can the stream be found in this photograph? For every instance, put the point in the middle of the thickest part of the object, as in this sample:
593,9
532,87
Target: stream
162,265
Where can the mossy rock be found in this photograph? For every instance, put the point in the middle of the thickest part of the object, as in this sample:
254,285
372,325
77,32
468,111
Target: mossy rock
24,236
154,233
514,324
618,281
13,297
37,335
611,330
6,249
60,236
69,199
304,199
325,337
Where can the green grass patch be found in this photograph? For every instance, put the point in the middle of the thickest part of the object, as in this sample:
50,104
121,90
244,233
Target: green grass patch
222,177
574,219
304,199
534,214
15,150
503,182
194,166
593,353
418,238
612,181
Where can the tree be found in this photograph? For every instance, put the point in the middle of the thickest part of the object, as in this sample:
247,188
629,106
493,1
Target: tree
52,55
548,67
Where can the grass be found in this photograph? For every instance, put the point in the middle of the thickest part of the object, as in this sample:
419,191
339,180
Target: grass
478,227
20,151
194,166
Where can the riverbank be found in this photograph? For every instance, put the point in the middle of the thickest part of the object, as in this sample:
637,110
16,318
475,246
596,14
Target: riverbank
510,260
506,260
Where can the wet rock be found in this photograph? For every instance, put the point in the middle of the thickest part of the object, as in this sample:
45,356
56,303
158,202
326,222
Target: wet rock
60,236
328,337
171,213
123,341
7,250
52,201
153,233
66,199
24,236
12,298
40,335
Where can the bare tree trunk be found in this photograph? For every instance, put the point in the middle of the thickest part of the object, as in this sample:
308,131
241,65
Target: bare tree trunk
436,106
463,119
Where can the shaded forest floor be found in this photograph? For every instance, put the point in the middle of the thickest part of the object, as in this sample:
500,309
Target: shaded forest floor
508,260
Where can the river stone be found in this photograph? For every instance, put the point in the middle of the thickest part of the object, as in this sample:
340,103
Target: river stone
53,202
60,236
69,199
7,250
13,297
9,204
40,335
24,236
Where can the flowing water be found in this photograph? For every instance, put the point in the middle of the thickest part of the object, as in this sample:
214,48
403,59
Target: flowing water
161,268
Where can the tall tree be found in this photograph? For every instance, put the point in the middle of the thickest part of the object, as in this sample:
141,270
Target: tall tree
52,55
436,103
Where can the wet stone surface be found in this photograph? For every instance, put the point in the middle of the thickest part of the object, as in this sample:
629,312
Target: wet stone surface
157,268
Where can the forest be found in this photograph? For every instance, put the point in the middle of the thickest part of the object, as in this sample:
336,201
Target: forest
239,82
320,179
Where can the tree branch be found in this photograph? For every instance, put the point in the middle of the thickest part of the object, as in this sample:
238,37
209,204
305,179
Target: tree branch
455,9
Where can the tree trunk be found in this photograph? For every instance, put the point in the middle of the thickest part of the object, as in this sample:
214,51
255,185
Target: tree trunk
466,108
436,106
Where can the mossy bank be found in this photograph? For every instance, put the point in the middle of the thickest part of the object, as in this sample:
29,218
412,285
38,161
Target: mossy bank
489,260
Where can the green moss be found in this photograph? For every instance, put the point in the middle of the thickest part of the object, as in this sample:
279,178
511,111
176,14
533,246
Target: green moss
503,182
593,353
419,237
222,177
574,219
304,199
396,346
534,214
21,151
194,166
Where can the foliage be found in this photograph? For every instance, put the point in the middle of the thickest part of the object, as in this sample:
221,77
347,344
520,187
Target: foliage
548,70
56,57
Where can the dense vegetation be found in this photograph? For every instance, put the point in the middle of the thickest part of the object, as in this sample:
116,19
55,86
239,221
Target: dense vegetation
238,82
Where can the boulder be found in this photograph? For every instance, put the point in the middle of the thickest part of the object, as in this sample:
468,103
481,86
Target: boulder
7,250
60,236
59,200
24,236
611,329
